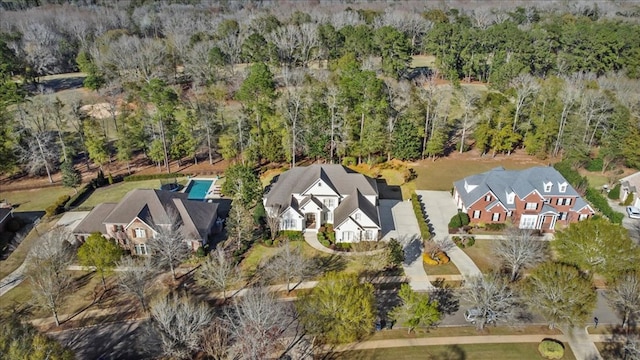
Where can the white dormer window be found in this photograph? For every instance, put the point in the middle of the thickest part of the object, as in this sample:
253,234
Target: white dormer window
487,197
511,197
356,216
140,233
563,187
547,186
468,187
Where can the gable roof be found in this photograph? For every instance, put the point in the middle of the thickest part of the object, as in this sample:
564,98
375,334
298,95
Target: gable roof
522,182
352,203
299,179
153,207
94,221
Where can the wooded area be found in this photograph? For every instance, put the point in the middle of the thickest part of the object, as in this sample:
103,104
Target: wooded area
338,82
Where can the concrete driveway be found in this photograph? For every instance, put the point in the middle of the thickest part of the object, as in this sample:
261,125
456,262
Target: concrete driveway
633,225
398,221
439,208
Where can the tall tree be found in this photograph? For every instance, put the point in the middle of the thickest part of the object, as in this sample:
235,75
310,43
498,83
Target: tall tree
96,142
492,298
242,183
416,309
520,250
624,297
47,270
169,246
562,293
70,176
180,323
100,253
339,309
467,100
218,272
21,340
134,277
524,86
165,101
597,246
395,50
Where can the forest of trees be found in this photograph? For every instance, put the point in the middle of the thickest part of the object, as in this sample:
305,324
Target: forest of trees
258,81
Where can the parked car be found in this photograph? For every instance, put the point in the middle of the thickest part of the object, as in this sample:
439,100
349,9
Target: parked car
473,314
633,212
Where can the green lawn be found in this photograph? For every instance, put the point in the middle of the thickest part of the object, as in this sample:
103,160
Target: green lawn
481,254
35,200
440,174
596,179
444,269
115,192
522,351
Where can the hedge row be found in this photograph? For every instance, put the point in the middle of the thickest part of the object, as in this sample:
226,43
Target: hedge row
459,220
151,177
422,223
58,206
86,188
601,203
592,195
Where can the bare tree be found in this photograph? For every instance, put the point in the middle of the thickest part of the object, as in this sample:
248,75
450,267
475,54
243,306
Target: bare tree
218,272
570,93
257,323
231,45
287,41
288,264
134,278
426,91
291,108
47,270
215,341
309,40
525,86
491,298
467,99
624,297
198,65
180,323
273,220
520,250
168,246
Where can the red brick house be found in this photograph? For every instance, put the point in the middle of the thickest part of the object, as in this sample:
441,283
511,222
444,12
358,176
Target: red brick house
536,198
133,220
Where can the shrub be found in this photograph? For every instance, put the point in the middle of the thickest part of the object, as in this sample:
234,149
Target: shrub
459,220
292,235
470,241
578,182
614,194
58,206
442,258
458,241
325,243
348,161
409,174
397,252
422,223
495,226
551,349
268,242
149,177
343,246
428,260
628,200
201,252
595,164
600,203
321,236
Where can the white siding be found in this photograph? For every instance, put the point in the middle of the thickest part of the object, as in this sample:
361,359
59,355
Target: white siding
319,188
291,220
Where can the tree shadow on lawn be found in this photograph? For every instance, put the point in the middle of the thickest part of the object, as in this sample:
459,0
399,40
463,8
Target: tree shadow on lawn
449,352
333,262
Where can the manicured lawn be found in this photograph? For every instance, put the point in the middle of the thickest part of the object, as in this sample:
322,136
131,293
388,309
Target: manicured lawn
423,61
463,331
440,174
19,254
596,179
481,254
268,175
36,199
115,192
444,269
522,351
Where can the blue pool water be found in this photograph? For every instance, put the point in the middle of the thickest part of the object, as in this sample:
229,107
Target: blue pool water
197,189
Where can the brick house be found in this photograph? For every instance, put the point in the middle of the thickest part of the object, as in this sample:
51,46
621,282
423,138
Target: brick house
132,221
536,198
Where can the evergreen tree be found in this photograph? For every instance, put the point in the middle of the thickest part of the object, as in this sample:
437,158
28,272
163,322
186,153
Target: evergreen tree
70,176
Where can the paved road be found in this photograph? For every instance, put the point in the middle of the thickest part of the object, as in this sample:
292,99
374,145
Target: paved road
12,280
439,208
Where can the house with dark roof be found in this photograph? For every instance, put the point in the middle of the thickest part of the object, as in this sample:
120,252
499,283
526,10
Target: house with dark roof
134,220
536,198
307,197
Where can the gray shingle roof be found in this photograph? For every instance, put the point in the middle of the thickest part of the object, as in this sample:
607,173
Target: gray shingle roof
152,206
353,202
94,221
522,182
341,179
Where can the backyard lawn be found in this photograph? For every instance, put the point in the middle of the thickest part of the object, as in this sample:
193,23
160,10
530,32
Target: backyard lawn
115,192
480,253
440,174
521,351
36,199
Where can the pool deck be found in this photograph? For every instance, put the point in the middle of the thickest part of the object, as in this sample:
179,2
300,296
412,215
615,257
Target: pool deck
212,193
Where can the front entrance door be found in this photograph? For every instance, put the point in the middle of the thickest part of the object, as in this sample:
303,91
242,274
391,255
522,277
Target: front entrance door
310,222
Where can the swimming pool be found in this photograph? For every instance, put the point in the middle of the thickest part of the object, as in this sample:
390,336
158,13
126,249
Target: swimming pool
198,189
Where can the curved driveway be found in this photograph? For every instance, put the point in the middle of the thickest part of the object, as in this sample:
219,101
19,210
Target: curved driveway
440,208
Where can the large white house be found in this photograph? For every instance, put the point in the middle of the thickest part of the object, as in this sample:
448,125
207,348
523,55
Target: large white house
305,198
